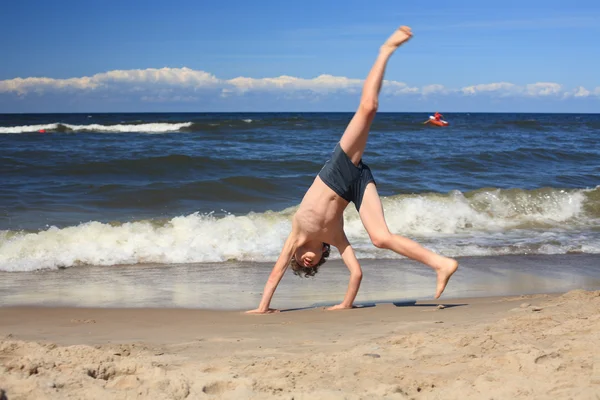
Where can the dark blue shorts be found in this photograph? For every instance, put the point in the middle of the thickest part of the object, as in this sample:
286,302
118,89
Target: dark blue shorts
347,180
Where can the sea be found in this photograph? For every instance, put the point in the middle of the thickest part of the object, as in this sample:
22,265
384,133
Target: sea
192,209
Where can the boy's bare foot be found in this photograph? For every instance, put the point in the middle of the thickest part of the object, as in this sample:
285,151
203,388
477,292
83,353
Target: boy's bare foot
260,311
444,272
401,35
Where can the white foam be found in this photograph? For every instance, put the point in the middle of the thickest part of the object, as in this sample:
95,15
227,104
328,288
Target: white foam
487,211
159,127
485,223
143,128
27,128
193,238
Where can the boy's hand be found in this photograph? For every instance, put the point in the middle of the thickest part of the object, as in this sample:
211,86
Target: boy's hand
259,311
339,307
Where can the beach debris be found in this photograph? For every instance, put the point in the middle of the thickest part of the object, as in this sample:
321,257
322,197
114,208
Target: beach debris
439,322
84,321
536,308
374,355
441,306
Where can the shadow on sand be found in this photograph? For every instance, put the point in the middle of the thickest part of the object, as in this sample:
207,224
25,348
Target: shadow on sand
369,304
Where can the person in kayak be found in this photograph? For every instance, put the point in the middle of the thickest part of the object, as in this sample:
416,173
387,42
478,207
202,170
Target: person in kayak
319,220
436,120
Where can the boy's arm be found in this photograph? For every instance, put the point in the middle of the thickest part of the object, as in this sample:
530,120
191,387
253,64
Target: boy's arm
275,277
355,275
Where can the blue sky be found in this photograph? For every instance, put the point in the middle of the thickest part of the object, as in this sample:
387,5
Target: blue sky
105,55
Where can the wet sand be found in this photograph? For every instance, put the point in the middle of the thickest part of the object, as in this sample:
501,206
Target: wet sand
238,286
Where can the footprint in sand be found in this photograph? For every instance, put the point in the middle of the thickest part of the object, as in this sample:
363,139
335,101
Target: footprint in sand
211,370
217,388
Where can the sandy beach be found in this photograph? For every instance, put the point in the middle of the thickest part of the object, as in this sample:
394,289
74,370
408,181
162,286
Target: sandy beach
529,347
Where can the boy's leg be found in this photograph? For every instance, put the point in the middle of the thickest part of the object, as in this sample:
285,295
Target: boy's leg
354,139
371,214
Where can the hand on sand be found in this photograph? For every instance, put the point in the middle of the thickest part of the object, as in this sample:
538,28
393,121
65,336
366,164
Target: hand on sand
259,311
403,34
339,307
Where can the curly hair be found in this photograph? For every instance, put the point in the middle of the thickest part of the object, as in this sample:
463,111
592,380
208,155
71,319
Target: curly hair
305,272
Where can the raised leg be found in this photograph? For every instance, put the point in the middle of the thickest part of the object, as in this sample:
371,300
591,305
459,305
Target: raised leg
354,139
371,214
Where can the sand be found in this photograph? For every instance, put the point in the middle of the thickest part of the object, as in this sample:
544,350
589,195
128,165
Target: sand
524,347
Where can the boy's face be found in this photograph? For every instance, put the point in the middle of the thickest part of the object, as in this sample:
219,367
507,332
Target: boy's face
309,256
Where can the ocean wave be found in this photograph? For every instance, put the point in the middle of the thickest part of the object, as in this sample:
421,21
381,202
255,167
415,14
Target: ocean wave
158,127
483,222
133,127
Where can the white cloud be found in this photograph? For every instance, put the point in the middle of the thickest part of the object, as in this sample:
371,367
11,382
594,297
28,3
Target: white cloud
395,88
579,91
23,86
543,89
153,79
539,89
184,77
171,76
182,84
501,88
433,89
320,84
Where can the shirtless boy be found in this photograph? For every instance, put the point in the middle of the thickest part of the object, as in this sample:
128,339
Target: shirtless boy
319,220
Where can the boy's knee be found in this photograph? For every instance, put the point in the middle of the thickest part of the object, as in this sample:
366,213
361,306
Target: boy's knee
369,106
381,240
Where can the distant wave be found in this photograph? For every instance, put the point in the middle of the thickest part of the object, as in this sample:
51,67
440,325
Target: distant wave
483,222
158,127
131,127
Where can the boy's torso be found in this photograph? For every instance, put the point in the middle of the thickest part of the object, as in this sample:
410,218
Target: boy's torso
321,213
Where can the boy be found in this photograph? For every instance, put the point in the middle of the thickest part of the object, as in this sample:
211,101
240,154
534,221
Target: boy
319,220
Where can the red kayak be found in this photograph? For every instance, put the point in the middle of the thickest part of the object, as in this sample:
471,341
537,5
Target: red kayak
438,123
